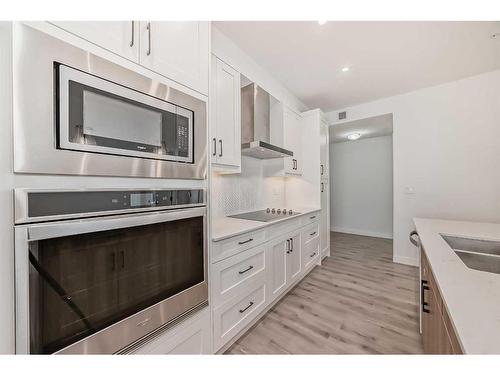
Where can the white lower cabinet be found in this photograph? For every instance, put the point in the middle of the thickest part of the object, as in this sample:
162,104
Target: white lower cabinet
234,315
251,271
231,276
190,336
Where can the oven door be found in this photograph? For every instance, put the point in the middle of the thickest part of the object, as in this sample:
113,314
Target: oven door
98,285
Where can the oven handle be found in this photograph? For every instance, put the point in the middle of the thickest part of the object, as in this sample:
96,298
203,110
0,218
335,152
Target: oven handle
38,232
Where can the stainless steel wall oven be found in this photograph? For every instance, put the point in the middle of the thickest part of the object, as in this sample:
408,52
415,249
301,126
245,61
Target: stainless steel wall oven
76,113
98,270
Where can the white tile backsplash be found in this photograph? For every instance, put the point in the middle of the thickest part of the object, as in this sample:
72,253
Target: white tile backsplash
248,191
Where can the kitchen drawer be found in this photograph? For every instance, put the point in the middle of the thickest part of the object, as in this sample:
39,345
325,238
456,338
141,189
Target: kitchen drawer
283,227
232,275
235,314
310,218
310,253
234,245
310,232
189,336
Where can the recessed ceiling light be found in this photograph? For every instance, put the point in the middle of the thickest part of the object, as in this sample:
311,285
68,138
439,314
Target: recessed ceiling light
353,136
345,69
322,22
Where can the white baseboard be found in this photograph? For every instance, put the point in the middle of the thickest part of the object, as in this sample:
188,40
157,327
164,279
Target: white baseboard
405,260
362,232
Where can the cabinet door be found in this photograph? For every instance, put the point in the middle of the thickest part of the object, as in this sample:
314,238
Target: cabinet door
294,259
324,150
120,37
292,141
278,260
324,226
226,124
177,50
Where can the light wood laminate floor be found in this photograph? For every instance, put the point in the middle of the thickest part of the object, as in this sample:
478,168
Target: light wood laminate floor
357,302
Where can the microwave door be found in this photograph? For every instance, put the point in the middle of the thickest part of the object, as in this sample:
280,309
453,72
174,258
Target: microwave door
113,118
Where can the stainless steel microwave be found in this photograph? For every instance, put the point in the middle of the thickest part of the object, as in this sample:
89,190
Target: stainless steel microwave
79,114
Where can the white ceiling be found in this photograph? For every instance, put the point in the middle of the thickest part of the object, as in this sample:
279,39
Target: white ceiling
377,126
385,58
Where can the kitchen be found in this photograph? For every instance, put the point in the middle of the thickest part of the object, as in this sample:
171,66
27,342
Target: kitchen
166,189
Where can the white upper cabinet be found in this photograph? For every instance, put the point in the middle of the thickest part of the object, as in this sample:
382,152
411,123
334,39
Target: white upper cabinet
324,150
174,49
225,127
293,141
178,50
120,37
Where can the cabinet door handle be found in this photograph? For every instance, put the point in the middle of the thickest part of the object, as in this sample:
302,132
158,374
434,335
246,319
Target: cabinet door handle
215,147
291,245
246,241
312,255
246,308
288,246
312,217
313,233
220,151
321,166
132,39
245,270
322,187
424,304
148,27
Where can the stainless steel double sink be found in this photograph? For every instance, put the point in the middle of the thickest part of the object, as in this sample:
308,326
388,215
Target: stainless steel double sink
481,255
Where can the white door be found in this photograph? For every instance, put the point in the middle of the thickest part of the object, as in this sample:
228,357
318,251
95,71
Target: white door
120,37
178,50
324,229
226,107
294,259
292,141
278,251
324,150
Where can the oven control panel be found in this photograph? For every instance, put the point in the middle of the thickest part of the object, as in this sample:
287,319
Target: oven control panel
56,203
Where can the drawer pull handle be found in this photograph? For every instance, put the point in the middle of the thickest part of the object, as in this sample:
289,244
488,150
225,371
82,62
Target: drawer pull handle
245,270
244,242
312,255
312,217
425,304
313,233
246,308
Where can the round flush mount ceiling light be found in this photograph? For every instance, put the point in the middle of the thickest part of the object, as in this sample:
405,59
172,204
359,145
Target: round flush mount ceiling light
345,69
322,22
353,136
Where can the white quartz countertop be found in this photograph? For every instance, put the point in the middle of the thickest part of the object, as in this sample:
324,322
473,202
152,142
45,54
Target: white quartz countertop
472,297
227,227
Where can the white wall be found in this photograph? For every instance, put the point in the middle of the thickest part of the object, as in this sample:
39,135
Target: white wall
248,191
6,205
361,187
447,148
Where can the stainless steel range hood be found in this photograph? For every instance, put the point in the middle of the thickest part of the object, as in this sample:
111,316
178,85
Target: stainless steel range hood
255,125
